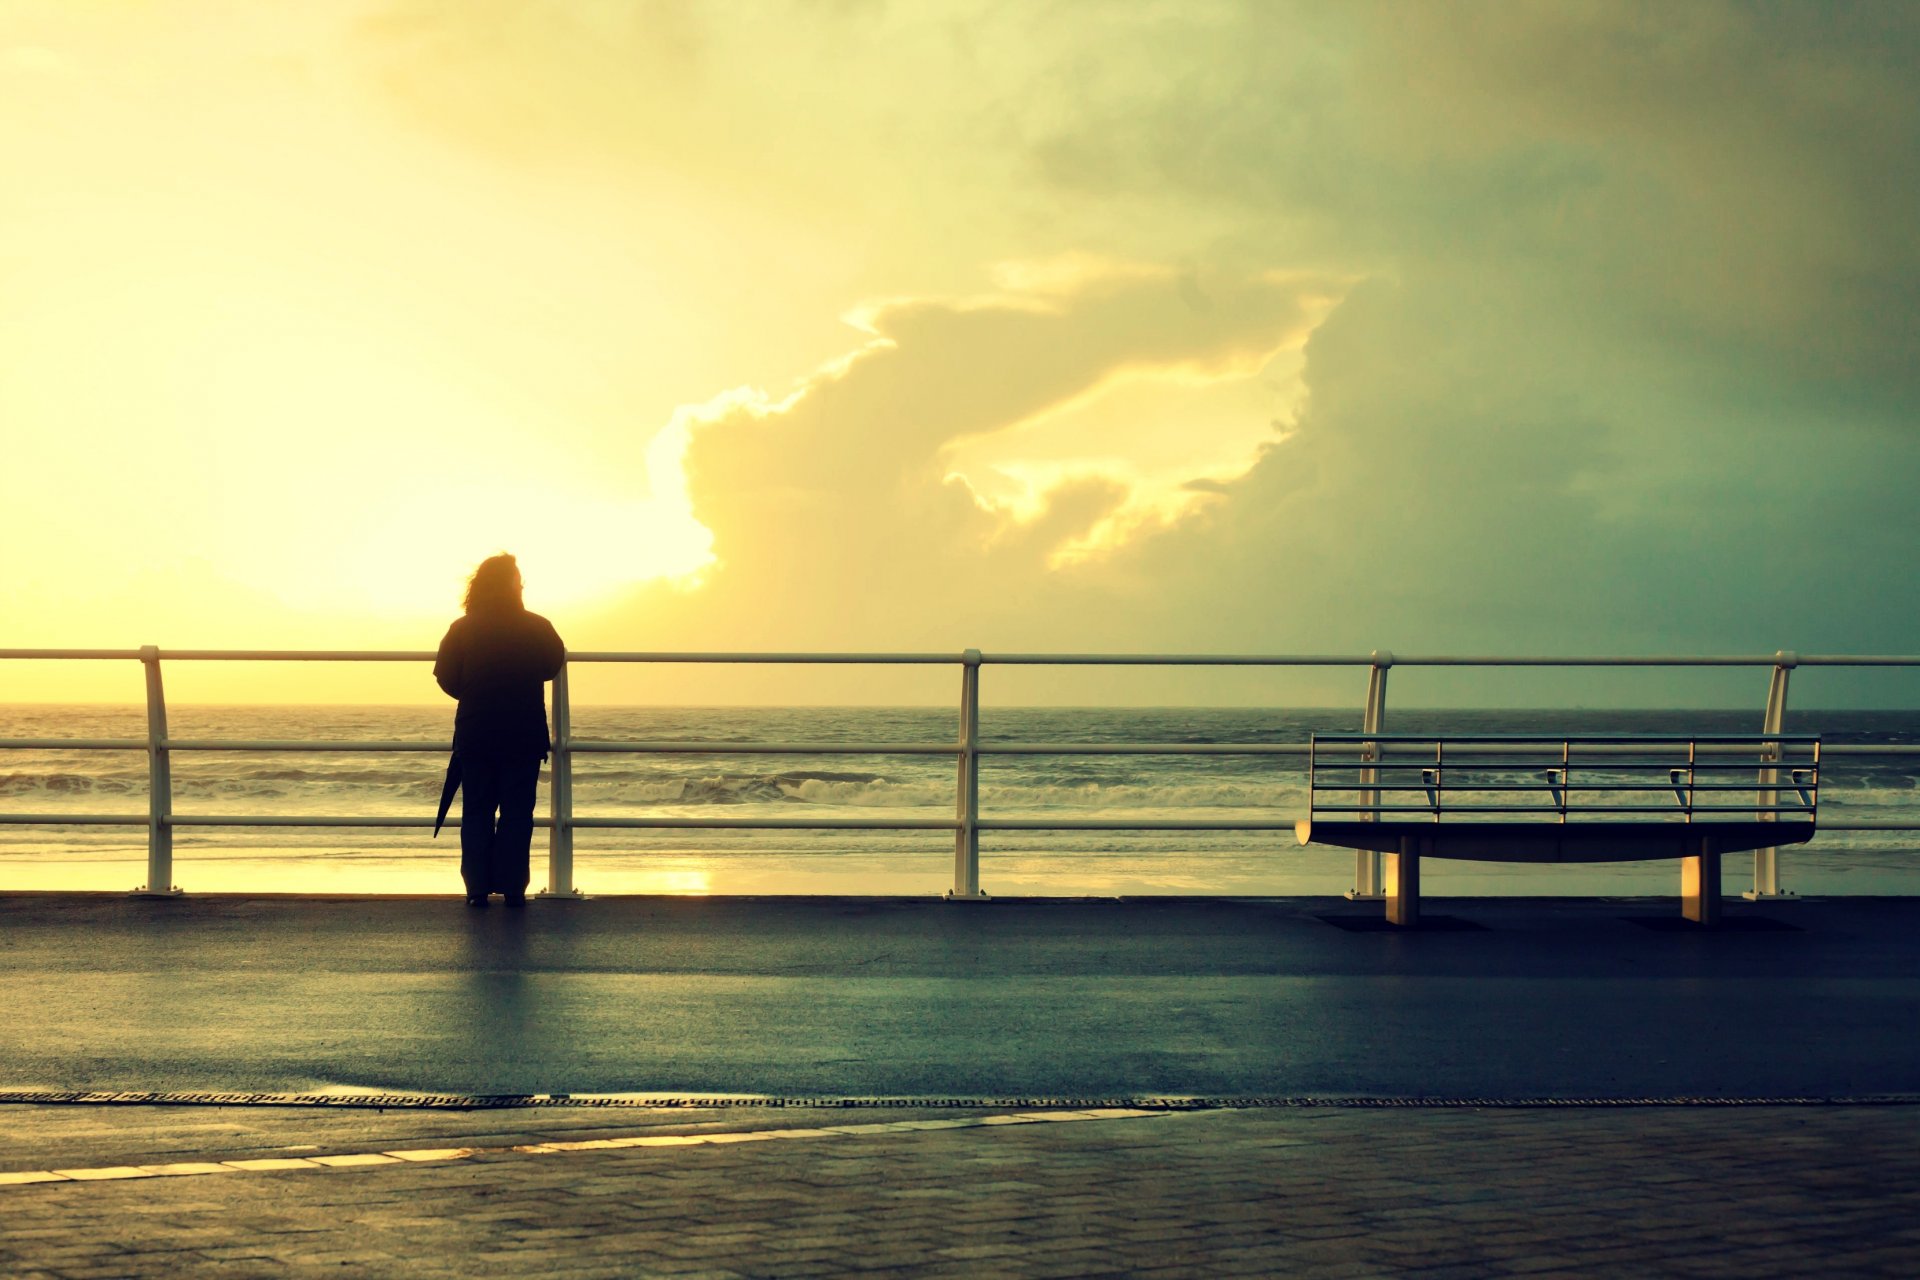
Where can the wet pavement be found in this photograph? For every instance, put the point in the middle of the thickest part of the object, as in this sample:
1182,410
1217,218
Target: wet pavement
1208,1087
917,998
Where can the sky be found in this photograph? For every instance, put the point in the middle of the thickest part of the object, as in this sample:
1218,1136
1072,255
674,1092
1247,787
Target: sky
1203,326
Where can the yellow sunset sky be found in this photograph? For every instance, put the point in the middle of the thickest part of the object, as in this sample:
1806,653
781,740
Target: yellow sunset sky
1197,326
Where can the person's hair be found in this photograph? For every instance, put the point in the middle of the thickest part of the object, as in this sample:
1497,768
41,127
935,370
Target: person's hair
494,586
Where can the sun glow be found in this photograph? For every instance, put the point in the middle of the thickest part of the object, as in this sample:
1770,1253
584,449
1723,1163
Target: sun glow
391,475
572,550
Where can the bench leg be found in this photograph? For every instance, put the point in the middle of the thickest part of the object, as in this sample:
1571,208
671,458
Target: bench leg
1700,886
1403,884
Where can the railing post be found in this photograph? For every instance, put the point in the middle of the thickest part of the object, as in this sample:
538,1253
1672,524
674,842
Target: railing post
966,839
1366,862
159,785
1766,862
560,796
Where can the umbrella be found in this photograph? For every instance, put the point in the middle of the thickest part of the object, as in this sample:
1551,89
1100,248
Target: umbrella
451,785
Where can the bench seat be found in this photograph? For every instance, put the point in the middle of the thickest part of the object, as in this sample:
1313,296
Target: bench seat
1618,841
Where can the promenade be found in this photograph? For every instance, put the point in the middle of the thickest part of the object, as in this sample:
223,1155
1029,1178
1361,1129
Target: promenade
917,1087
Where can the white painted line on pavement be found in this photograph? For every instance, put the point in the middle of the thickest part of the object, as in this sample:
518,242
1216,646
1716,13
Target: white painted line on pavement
423,1155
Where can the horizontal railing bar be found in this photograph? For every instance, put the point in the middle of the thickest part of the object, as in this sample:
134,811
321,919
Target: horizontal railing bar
1142,824
1589,812
795,659
1522,758
1020,659
220,820
1460,765
1578,788
715,824
716,747
1734,754
1142,749
1176,660
1576,739
1700,660
73,744
316,820
712,748
1158,659
1387,760
1859,660
769,824
300,744
296,655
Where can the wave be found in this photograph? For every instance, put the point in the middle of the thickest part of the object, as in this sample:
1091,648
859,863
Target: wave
795,786
349,791
870,791
338,776
20,784
1010,786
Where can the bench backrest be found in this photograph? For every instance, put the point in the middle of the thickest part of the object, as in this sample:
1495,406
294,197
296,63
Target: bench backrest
1604,778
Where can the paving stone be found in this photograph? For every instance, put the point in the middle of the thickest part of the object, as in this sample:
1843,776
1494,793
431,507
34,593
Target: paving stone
1226,1193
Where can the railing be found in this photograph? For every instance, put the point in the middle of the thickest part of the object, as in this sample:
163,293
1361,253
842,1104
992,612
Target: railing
967,750
1589,777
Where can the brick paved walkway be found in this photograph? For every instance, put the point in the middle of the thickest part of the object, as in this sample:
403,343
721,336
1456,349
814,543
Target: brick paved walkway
1749,1191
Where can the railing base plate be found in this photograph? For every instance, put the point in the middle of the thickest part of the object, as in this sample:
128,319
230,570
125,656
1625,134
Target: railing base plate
144,892
951,896
571,895
1354,895
1754,895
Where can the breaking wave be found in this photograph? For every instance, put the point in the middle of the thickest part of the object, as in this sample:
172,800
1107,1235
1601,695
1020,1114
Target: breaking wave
61,784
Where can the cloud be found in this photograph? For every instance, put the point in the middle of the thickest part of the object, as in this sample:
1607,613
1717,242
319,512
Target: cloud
1631,363
1635,366
845,491
1735,176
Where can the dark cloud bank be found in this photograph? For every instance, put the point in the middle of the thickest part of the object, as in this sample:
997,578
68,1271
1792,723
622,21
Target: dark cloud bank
1629,365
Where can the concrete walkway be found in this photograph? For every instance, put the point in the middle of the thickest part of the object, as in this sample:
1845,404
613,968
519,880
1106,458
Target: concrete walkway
1006,1011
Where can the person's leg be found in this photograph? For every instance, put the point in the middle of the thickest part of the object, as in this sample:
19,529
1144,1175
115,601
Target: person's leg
513,840
479,798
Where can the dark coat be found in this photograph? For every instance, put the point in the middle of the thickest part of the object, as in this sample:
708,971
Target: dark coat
497,664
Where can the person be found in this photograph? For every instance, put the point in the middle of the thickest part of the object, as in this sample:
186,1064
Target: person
494,661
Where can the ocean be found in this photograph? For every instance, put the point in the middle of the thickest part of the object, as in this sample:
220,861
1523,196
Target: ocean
1068,863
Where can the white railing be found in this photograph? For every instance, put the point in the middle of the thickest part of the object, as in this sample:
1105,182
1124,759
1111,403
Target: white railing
967,823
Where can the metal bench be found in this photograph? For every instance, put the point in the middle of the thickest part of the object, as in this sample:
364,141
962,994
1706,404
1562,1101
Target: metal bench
1526,798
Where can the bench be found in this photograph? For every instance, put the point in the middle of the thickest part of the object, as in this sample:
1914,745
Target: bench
1528,798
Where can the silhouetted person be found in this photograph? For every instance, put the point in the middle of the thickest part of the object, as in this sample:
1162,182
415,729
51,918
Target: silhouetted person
495,660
